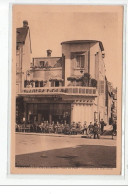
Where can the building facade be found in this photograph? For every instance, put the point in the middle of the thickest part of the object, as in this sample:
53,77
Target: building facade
23,55
68,88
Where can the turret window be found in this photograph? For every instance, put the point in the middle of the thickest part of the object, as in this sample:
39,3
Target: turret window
78,59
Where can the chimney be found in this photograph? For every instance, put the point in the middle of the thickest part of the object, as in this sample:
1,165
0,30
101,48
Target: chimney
49,53
25,23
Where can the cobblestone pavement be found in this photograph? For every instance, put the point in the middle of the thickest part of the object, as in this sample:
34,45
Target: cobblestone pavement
58,150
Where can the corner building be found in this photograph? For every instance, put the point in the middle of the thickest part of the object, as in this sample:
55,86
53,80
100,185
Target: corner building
67,88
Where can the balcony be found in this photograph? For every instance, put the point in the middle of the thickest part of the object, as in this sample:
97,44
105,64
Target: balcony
81,91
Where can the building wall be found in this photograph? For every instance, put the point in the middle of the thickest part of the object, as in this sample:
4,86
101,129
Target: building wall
68,50
46,75
19,69
82,112
50,69
26,59
94,49
62,68
23,60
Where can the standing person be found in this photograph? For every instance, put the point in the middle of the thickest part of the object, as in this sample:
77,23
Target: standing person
79,127
50,128
73,127
114,129
47,127
53,127
90,129
66,128
102,124
42,127
85,128
57,127
96,130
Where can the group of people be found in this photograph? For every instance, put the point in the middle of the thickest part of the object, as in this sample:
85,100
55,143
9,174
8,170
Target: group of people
91,130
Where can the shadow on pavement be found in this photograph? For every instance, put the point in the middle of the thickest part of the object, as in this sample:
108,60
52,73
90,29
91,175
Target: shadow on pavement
83,156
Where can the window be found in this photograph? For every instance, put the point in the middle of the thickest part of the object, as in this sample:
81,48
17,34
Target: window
56,83
36,83
42,63
41,83
80,61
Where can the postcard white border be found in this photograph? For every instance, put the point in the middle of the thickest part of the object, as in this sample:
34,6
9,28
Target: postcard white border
5,74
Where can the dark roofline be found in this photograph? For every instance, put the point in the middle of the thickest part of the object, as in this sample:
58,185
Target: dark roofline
84,41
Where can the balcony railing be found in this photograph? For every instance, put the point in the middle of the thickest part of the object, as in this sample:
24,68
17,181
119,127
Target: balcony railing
88,91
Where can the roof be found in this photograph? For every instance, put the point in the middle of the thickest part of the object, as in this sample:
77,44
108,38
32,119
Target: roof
84,41
21,34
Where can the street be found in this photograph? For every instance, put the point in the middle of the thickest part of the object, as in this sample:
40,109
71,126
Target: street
58,150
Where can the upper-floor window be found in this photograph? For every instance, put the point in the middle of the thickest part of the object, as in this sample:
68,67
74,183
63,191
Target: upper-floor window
78,59
56,83
42,63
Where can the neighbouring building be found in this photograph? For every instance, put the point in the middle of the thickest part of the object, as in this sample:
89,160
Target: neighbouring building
69,88
23,55
111,102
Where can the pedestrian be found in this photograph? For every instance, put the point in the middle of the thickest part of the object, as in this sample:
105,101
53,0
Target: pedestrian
73,128
53,127
47,127
78,128
102,124
42,127
85,128
66,128
96,130
50,128
90,129
114,132
57,127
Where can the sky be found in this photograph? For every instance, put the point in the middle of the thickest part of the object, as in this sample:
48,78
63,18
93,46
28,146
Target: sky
51,25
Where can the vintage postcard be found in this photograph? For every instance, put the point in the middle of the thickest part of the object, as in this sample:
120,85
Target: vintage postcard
66,89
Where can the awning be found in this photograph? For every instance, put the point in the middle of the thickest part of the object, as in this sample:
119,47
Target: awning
56,79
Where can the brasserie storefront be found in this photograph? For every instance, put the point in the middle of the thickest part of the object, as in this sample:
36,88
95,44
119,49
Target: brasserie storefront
39,108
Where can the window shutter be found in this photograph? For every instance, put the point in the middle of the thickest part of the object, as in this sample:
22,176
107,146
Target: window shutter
101,87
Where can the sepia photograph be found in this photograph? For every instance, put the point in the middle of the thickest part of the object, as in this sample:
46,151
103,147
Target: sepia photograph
66,89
